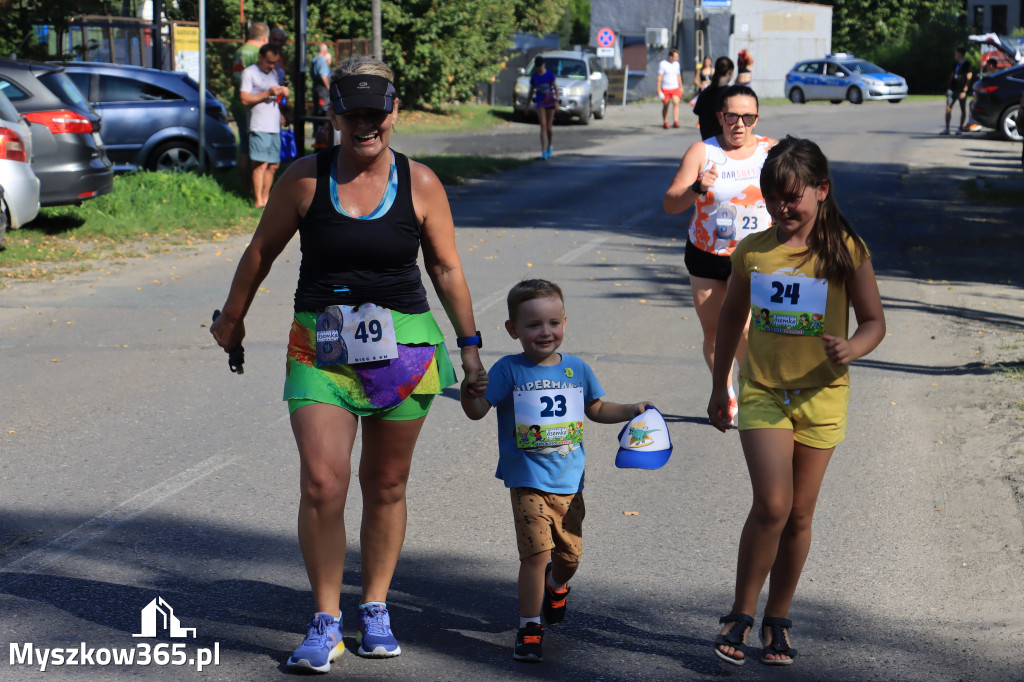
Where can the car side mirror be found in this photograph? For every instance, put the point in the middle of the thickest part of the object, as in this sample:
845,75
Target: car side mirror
596,76
522,70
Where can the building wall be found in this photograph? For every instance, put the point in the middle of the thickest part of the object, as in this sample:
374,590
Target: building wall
778,34
980,14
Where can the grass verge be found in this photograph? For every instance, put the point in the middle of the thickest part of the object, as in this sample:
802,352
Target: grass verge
147,212
454,169
462,118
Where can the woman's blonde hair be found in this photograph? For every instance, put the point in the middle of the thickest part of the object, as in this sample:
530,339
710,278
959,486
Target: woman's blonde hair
370,66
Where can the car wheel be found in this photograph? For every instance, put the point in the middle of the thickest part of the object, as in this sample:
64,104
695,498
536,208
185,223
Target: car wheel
585,115
1009,123
855,95
174,156
602,108
796,96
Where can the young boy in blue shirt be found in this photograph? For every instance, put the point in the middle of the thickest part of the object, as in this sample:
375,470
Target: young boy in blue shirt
542,396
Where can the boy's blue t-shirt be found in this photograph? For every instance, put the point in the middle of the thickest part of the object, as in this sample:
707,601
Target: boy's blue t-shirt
551,390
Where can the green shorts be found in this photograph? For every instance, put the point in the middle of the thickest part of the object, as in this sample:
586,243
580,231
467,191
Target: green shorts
816,416
415,406
402,393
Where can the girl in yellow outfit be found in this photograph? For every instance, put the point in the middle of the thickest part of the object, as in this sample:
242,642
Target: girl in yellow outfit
794,382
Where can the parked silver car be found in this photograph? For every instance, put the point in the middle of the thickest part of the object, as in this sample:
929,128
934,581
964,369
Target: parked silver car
842,76
19,186
582,86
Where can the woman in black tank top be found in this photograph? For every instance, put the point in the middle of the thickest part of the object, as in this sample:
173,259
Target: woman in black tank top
363,213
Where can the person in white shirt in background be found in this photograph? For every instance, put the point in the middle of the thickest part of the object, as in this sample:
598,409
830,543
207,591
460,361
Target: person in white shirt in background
670,87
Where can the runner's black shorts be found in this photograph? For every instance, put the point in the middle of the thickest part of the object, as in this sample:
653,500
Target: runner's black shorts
700,263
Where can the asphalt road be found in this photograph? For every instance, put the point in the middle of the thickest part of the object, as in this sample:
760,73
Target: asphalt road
133,465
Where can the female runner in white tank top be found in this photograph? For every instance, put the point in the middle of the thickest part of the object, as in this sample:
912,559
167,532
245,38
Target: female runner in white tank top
721,178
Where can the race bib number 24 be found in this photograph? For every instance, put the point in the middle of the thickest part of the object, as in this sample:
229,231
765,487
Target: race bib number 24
784,304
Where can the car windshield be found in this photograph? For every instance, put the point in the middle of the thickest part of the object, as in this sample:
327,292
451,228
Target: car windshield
60,85
564,68
863,67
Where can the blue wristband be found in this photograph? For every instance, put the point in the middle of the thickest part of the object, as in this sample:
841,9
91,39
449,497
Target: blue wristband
464,341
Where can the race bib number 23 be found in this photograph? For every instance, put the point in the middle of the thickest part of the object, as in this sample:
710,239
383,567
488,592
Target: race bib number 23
549,418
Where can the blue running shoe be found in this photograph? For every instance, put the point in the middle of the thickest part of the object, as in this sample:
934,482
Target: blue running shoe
322,645
375,637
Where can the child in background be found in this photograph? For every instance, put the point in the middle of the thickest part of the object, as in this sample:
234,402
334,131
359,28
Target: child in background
539,394
794,382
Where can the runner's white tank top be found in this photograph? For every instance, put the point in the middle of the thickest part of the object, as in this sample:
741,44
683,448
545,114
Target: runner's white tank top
733,208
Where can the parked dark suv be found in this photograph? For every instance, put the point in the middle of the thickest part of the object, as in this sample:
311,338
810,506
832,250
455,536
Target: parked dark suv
68,154
150,117
997,101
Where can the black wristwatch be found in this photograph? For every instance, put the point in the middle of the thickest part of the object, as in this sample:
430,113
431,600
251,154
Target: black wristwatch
476,340
695,187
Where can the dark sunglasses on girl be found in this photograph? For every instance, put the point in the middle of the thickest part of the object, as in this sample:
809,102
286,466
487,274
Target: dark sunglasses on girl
732,119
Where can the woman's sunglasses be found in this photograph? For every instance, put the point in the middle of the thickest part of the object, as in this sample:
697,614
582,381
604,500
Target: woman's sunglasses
732,119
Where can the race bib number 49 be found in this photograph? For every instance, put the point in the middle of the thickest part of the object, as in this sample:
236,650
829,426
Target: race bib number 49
784,304
347,335
548,418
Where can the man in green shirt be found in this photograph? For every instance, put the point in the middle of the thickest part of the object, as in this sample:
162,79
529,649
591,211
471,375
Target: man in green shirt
246,56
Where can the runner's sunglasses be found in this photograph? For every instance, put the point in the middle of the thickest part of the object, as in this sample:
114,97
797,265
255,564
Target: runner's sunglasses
732,119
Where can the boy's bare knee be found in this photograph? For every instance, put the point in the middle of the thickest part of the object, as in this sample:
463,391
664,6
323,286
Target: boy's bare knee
540,559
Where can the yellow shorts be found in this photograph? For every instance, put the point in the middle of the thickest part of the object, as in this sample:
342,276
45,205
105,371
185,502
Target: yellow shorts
816,416
548,521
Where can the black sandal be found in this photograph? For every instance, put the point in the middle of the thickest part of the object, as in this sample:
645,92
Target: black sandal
780,641
733,637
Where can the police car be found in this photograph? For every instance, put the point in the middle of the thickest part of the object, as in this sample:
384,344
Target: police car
842,76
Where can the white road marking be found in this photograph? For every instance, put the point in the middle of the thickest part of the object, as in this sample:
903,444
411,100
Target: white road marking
55,552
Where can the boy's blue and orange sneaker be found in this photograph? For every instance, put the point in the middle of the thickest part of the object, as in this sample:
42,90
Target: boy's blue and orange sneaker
322,645
375,638
529,643
554,602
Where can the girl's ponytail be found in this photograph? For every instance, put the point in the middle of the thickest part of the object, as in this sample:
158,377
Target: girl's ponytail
794,164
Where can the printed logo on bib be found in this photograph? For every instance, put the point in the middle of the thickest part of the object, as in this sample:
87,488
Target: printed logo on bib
347,335
784,304
550,418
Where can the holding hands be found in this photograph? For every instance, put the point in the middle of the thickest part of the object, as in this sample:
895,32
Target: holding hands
475,384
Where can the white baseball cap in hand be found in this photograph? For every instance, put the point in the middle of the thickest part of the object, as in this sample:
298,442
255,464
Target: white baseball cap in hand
644,443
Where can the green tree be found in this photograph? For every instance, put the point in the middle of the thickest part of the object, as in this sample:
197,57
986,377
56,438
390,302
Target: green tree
860,25
579,11
440,49
541,16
